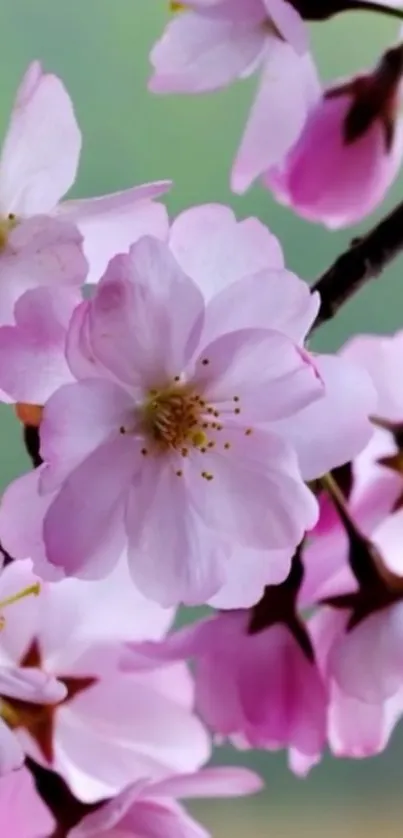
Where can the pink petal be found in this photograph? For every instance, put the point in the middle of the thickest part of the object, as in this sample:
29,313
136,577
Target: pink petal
31,685
197,53
32,357
41,151
22,536
122,730
210,782
83,527
258,374
248,573
289,23
339,434
22,812
111,223
367,663
173,557
216,250
11,753
137,330
256,496
287,89
40,251
271,299
77,419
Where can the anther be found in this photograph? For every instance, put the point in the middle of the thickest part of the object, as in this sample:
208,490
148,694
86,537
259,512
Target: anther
248,431
144,452
227,445
237,410
184,452
179,473
177,378
236,399
122,429
205,361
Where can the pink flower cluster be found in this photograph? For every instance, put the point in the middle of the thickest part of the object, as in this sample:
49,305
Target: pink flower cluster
190,448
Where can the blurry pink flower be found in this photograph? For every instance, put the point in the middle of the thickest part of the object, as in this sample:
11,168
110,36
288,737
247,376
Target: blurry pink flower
22,812
150,809
356,727
38,165
349,151
212,43
258,687
107,727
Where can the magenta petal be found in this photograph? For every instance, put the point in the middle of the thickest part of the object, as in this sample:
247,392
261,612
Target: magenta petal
83,528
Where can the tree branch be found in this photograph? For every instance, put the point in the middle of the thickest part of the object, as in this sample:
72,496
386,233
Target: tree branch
364,260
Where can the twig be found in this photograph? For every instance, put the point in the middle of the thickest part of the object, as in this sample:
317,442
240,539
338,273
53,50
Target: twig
364,260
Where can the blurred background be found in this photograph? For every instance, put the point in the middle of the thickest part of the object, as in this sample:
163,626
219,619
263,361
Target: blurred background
100,49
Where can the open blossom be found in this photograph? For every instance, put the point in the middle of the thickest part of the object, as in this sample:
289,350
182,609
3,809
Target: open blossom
208,45
349,151
104,728
38,165
177,404
22,812
152,811
260,689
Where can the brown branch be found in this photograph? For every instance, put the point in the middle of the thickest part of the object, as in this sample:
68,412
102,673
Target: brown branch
364,260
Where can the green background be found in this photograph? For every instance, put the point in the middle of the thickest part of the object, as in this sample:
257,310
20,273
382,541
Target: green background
100,49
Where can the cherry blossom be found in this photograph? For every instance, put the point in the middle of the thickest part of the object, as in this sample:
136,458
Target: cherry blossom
105,727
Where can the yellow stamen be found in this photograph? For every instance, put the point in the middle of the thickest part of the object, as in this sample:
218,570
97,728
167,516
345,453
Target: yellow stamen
177,7
32,590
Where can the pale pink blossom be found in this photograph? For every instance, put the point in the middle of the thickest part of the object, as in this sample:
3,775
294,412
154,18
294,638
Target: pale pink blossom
261,311
349,151
257,688
38,165
152,811
108,727
22,812
209,45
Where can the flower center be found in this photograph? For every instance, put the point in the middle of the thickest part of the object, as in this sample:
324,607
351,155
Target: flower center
174,417
7,224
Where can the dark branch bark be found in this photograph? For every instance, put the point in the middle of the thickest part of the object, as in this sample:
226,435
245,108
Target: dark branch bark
364,260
